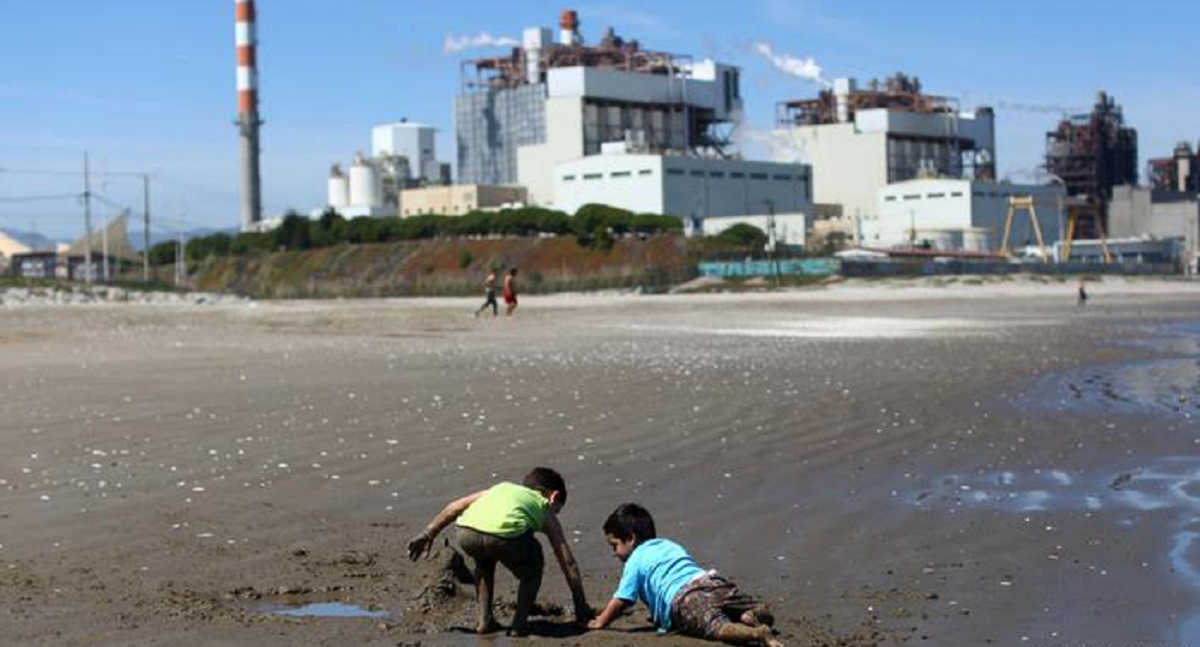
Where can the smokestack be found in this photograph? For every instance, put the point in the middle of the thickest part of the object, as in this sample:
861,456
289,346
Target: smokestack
248,121
568,24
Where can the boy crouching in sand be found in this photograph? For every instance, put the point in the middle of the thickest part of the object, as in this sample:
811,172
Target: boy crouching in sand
497,525
682,597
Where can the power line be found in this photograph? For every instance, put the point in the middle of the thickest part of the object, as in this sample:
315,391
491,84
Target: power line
39,198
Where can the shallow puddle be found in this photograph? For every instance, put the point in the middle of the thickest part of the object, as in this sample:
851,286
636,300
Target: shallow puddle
321,610
1170,484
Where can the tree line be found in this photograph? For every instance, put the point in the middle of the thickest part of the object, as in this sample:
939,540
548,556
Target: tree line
593,225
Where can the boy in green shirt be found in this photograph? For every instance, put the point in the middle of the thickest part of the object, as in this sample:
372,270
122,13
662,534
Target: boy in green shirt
497,525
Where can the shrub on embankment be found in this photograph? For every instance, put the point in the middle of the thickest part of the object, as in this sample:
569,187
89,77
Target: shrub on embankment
450,266
599,247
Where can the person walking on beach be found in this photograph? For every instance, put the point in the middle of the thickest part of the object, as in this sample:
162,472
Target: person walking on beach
489,295
510,292
1083,295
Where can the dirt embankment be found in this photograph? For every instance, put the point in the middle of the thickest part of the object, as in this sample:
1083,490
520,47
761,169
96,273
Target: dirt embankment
450,267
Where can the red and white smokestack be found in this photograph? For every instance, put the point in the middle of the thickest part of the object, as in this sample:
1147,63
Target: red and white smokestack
568,25
248,121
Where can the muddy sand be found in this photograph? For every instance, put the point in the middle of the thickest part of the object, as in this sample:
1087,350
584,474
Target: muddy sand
884,463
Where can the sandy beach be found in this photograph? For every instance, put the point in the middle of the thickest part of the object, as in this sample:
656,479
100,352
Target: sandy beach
934,463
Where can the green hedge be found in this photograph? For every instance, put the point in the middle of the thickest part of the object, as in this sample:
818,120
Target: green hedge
592,224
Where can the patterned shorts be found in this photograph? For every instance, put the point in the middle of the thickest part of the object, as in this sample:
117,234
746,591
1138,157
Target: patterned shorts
706,604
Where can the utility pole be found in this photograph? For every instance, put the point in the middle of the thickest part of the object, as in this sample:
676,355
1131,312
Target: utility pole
145,228
771,241
87,221
178,256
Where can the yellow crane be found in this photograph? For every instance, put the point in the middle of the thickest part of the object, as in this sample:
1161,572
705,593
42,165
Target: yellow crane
1075,214
1022,204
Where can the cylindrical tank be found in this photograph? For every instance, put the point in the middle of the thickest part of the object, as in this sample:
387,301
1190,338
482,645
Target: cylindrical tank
365,190
339,188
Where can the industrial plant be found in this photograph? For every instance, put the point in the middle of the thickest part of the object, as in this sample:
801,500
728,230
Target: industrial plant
559,122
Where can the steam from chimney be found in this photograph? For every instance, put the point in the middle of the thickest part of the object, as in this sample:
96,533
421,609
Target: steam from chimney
801,68
454,44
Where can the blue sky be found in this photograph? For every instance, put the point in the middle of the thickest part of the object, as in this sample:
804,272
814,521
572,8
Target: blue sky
148,85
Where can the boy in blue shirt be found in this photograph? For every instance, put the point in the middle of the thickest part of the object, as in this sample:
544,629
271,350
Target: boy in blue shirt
681,596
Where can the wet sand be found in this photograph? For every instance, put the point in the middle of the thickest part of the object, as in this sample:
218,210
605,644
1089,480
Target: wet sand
961,465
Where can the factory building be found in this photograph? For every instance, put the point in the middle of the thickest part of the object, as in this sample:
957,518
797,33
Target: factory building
692,188
551,101
417,145
961,215
859,140
403,156
1158,214
459,199
1180,172
1092,153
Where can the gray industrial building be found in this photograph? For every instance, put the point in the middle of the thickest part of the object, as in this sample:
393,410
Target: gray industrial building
1161,214
553,101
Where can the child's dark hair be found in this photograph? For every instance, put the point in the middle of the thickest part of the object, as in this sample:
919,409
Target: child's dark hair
630,520
546,480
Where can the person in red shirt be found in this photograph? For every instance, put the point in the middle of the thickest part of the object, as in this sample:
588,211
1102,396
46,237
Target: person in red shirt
510,292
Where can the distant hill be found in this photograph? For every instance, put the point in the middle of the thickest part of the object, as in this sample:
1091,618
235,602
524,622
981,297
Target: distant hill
39,242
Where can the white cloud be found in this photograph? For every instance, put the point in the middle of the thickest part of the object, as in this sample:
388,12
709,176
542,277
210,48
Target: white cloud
454,44
802,68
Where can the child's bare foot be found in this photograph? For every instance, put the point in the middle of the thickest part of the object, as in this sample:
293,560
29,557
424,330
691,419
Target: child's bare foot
760,616
769,639
489,626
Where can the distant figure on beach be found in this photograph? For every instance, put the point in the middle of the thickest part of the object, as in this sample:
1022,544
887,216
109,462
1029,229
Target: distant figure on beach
498,525
489,295
1083,295
510,292
682,597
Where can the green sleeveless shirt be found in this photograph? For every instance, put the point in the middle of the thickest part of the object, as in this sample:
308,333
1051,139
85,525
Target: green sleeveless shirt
506,510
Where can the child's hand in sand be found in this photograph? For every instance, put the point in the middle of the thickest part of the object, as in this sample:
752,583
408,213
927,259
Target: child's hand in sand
419,545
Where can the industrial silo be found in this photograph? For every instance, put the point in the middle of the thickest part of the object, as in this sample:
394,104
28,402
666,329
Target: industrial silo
339,188
365,189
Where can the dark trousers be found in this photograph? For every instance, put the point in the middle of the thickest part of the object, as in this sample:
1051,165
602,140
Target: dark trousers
522,556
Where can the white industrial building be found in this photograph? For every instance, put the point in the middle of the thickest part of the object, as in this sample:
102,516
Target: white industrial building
417,144
553,101
692,188
781,228
859,140
960,215
403,155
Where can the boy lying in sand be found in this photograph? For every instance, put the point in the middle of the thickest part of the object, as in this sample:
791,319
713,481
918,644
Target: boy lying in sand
682,597
497,525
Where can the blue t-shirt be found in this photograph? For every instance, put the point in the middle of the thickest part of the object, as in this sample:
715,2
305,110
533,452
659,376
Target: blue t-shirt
655,573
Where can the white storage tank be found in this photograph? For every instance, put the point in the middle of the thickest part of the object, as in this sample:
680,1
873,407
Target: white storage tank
365,188
339,188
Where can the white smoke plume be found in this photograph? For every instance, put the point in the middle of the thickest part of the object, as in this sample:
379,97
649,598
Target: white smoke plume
454,44
801,68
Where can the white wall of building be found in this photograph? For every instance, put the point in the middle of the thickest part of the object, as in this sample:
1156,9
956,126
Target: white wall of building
849,160
789,227
849,166
954,214
564,142
682,186
417,142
